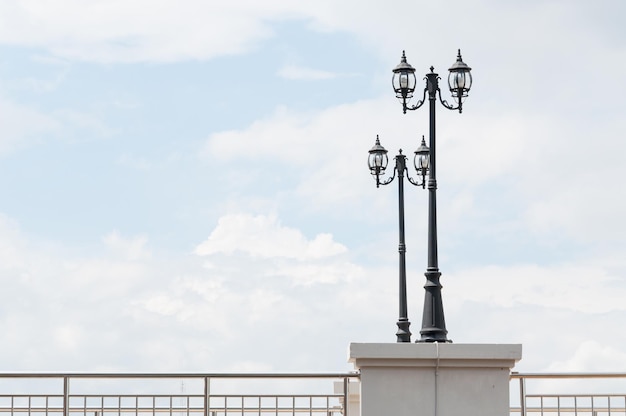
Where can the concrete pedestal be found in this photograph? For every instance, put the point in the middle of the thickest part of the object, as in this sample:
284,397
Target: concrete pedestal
434,379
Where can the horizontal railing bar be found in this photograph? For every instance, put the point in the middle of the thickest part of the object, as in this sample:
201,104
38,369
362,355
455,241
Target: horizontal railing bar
164,396
573,409
568,404
107,409
151,410
183,396
163,410
157,410
105,406
273,409
144,403
50,396
280,396
568,375
582,395
193,396
179,375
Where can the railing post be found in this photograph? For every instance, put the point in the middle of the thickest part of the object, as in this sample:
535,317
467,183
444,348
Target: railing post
522,395
346,403
207,392
66,395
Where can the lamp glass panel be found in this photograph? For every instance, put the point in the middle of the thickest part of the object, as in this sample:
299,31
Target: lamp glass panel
377,162
459,80
404,80
421,161
424,161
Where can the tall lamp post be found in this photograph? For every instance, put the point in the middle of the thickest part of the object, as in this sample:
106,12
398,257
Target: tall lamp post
459,82
377,162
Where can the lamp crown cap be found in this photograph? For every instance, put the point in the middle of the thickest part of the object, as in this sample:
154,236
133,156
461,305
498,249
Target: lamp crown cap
459,65
403,66
377,148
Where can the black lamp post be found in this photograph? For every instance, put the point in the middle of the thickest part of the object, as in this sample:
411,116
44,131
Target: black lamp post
459,82
378,163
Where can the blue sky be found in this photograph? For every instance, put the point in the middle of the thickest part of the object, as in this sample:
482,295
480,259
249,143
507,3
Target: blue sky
184,186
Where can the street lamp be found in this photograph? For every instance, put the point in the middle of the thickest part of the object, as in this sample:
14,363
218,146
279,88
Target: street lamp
377,162
459,82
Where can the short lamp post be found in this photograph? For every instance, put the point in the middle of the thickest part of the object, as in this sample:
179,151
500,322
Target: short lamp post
378,163
459,82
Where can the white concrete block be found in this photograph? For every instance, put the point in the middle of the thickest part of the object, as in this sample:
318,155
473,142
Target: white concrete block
434,379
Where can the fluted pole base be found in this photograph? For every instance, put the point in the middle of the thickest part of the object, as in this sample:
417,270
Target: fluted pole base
433,320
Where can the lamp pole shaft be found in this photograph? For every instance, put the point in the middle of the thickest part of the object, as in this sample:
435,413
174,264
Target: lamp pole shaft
433,320
403,334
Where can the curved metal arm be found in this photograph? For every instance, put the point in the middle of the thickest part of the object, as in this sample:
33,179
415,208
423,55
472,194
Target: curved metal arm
418,104
448,106
388,180
432,88
417,182
405,171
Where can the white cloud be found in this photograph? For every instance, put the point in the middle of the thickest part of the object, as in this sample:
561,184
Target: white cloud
590,356
164,305
486,146
13,247
132,249
300,73
68,337
325,152
21,124
582,286
308,274
159,30
525,154
262,236
197,317
24,125
82,121
273,138
134,162
553,150
121,31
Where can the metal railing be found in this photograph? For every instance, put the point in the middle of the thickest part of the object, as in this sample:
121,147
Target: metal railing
571,394
182,394
156,394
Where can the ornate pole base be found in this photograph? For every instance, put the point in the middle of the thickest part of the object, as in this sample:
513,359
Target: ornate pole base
433,320
403,334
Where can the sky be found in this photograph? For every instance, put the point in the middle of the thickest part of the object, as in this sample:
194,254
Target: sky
184,185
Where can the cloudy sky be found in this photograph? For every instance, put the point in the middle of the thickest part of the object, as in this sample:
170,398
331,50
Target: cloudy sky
184,186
